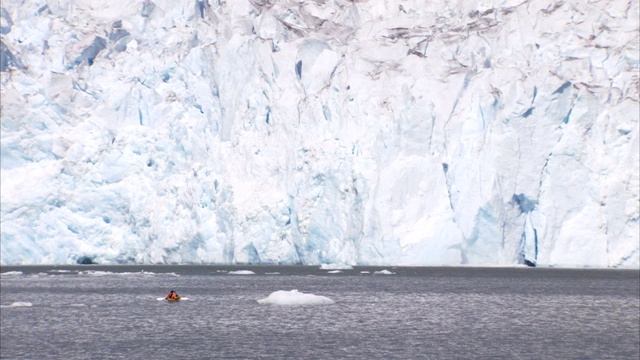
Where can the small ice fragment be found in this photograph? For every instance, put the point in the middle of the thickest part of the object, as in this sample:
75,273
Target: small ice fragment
18,304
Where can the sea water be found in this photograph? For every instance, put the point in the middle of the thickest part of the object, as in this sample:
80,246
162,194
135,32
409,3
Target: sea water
113,312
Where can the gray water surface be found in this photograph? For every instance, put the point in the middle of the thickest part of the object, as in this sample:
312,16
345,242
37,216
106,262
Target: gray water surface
112,312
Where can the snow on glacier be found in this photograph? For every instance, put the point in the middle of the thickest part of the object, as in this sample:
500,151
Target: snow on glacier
320,132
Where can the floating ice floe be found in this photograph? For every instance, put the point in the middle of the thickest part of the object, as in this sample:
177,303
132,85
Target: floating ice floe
11,273
336,267
383,272
18,304
334,272
294,297
107,273
242,272
111,273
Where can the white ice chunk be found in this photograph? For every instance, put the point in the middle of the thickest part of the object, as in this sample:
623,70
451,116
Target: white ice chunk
18,304
294,297
11,273
241,272
383,272
336,267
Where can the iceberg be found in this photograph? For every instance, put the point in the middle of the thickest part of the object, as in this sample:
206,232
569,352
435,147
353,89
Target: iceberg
387,133
241,272
383,272
294,297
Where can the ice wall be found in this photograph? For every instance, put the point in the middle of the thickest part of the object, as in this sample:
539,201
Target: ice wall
364,132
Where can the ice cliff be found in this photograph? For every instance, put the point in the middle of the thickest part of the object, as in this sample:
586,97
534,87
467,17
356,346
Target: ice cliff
329,131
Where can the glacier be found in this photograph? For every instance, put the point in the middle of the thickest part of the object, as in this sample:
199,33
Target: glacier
395,132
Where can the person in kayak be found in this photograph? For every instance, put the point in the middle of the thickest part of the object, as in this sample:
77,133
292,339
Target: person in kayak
173,296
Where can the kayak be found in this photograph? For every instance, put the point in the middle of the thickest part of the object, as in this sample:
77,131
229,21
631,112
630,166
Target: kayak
181,298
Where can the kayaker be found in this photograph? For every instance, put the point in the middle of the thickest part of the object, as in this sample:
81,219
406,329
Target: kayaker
173,296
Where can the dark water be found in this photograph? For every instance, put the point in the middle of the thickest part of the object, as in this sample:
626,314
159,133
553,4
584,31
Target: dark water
416,313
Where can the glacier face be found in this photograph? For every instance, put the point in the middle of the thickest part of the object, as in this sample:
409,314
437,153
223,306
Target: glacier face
328,131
